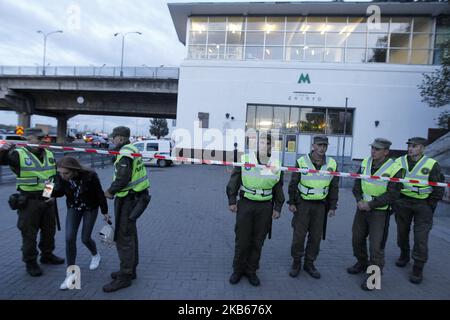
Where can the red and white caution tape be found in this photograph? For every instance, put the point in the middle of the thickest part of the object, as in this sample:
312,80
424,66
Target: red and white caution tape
239,164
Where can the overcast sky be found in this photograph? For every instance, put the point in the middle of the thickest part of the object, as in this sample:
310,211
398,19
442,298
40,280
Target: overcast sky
88,39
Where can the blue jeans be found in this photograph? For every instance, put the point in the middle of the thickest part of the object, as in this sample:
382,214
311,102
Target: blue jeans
73,221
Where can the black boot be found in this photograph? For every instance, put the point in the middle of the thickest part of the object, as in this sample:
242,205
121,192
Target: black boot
235,277
253,279
33,269
416,276
117,284
312,271
295,269
358,267
403,259
51,259
115,274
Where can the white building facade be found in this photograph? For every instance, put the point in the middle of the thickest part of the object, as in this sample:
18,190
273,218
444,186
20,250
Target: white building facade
301,69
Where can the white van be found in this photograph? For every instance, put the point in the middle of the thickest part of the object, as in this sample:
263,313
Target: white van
148,148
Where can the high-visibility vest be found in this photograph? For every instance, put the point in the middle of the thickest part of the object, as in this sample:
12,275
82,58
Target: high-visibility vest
421,171
314,186
139,180
33,173
257,183
374,188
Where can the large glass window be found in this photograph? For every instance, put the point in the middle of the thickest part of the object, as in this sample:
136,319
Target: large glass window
335,39
264,117
312,120
336,120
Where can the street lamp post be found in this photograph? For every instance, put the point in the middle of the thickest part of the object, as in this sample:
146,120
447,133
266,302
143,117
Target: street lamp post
123,47
45,45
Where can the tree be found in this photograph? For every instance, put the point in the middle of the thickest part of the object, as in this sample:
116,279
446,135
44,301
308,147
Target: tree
435,87
158,128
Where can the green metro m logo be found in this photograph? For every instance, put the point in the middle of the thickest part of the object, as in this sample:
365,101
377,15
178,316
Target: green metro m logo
304,79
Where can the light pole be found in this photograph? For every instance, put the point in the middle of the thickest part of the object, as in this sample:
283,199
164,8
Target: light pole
45,45
123,47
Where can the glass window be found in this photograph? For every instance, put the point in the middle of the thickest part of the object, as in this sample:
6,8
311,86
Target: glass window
139,146
336,119
398,56
295,23
421,41
256,23
235,24
254,53
275,38
422,25
234,52
251,117
420,56
377,40
400,24
295,39
216,37
274,24
356,25
335,39
273,53
312,120
443,24
315,39
316,24
255,38
199,24
280,117
216,51
375,27
217,23
399,40
197,52
294,53
152,147
264,117
314,54
336,24
197,37
376,55
294,118
355,55
334,55
356,40
235,37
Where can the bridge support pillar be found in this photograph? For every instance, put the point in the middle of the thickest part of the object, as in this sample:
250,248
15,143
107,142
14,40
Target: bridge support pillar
24,119
61,129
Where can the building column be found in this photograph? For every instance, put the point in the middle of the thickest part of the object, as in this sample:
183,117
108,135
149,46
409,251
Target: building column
61,129
24,119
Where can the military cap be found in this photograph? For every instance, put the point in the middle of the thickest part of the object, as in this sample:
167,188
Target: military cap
417,140
121,131
381,143
320,140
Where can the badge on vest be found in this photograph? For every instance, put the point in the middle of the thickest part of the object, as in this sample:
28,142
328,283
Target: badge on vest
28,162
48,189
425,171
51,161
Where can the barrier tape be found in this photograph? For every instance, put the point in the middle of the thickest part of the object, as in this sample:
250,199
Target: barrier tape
239,164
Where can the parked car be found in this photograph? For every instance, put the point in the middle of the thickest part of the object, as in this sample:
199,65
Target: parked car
149,148
13,138
99,142
88,137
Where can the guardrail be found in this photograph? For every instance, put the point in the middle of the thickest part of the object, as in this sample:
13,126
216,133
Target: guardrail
93,160
91,71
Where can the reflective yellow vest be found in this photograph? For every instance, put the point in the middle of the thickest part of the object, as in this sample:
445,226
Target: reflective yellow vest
314,186
375,188
421,171
257,183
139,180
34,173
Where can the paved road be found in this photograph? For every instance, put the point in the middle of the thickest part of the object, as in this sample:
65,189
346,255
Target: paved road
187,243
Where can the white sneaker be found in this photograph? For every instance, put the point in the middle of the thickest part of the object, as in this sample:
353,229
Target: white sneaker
95,261
67,280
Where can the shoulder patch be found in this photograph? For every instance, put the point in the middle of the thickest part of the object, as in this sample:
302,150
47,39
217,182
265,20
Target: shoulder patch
425,171
28,162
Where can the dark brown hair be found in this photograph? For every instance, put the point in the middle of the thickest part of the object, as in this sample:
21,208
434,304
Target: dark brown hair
72,163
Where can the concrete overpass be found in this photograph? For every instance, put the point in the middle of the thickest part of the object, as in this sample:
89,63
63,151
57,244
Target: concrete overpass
64,96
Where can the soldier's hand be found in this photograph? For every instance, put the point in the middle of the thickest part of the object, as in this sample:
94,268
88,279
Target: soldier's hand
106,217
4,145
331,213
108,195
275,214
292,208
233,208
360,205
363,205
